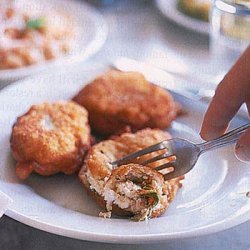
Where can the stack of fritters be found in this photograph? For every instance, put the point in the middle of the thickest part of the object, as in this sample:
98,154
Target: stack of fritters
52,138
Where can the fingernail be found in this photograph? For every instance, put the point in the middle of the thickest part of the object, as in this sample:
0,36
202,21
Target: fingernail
208,135
212,133
242,152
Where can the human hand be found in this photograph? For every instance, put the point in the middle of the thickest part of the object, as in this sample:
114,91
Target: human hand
231,93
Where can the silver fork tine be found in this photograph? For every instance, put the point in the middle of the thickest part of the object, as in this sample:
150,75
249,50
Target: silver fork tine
141,152
165,165
185,153
171,175
156,158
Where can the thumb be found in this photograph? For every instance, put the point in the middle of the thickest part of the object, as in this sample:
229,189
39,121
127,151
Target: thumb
242,149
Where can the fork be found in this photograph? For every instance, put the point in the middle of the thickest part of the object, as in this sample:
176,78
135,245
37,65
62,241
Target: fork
181,154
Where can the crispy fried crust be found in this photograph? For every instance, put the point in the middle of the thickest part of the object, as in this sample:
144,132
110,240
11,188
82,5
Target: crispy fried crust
97,171
50,138
117,99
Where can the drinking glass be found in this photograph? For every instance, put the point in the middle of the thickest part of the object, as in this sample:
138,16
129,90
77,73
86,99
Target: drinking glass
229,32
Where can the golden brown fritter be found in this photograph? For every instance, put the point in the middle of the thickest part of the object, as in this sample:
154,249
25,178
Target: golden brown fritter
117,99
50,138
101,180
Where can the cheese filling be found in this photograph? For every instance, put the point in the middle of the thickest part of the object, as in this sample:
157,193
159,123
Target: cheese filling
47,123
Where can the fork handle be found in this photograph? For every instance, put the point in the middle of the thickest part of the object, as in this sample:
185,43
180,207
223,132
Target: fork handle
226,139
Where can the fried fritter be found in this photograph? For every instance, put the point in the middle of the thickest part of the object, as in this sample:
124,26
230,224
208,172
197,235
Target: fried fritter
118,99
131,189
50,138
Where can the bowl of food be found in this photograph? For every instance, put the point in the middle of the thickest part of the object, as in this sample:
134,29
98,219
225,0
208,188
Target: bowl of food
37,36
198,9
193,14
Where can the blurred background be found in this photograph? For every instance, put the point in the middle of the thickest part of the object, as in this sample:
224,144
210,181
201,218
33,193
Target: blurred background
198,39
193,37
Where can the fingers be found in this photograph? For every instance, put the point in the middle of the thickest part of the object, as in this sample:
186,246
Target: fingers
231,93
242,149
220,112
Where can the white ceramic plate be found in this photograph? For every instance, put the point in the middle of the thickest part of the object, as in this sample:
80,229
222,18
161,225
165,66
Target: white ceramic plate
169,9
213,196
91,34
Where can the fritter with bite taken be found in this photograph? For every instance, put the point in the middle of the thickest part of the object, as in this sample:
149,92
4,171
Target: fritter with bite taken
132,189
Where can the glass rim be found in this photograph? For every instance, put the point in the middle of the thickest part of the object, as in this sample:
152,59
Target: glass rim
232,8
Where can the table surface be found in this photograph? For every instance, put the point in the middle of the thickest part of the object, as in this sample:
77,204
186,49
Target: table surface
137,30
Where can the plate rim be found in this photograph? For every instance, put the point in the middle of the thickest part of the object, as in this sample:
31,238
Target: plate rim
127,239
